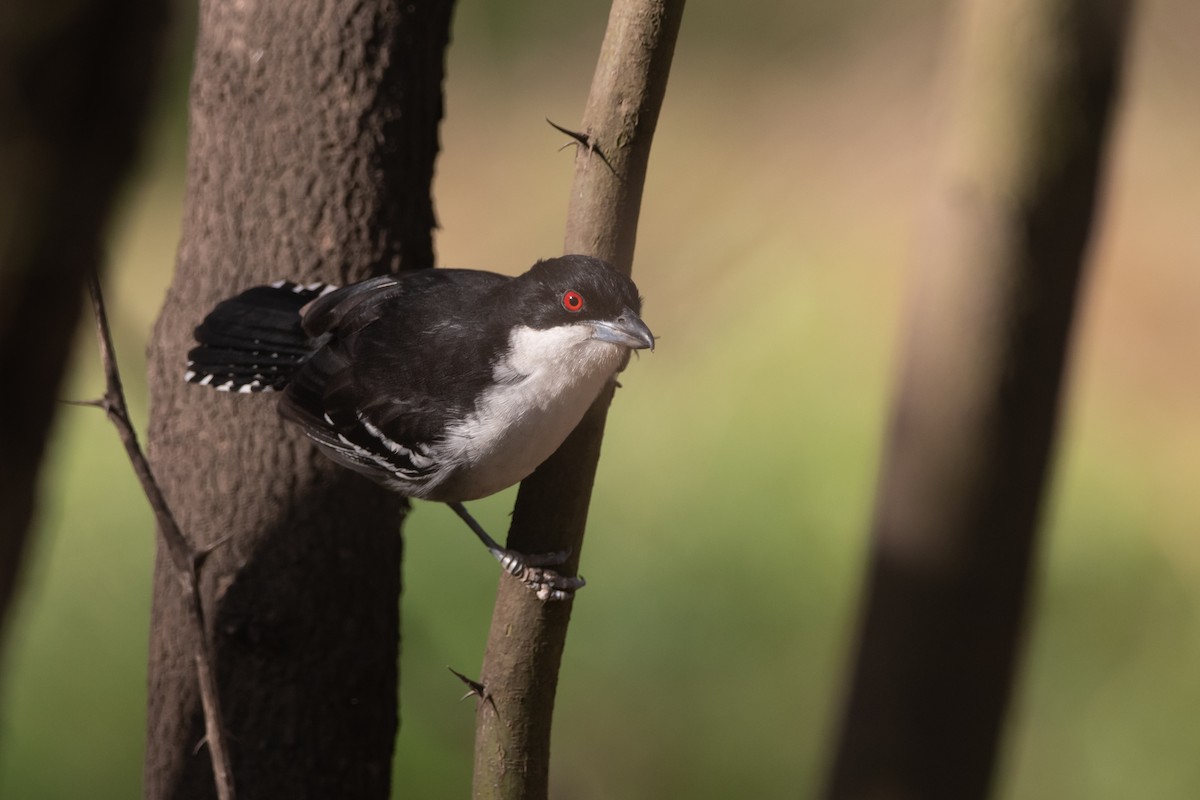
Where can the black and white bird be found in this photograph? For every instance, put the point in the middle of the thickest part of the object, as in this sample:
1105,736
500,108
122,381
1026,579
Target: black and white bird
445,384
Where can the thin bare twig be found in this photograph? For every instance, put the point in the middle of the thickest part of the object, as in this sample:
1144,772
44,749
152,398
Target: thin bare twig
187,560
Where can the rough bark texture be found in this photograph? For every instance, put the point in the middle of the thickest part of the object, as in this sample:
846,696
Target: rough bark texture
525,644
74,87
313,138
973,422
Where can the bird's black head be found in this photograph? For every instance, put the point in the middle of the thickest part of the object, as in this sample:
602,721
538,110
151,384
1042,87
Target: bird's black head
582,289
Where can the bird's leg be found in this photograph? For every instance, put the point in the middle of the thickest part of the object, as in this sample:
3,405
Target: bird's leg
528,569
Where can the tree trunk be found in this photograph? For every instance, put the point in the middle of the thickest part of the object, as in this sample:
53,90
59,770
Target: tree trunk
973,422
74,87
313,138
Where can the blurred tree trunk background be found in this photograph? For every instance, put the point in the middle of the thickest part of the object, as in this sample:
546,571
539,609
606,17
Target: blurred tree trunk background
314,130
75,81
973,421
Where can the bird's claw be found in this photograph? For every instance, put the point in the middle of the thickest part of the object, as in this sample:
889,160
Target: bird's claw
532,571
548,585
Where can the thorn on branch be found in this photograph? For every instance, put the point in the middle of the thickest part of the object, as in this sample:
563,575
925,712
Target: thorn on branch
585,139
476,688
207,550
582,138
99,402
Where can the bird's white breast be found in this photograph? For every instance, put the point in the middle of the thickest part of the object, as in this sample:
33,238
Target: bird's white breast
540,392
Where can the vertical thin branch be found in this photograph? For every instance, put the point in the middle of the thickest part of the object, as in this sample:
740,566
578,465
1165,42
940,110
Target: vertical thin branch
974,418
525,644
187,561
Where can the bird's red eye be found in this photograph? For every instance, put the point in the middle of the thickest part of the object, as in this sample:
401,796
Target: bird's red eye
573,301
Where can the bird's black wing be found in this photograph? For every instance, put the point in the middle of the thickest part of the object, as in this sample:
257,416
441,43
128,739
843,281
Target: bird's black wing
346,310
405,359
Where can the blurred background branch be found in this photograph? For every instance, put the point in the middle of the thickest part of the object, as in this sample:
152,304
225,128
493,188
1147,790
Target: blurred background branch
974,420
75,83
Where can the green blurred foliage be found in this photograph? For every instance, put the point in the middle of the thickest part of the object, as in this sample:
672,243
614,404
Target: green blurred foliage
729,520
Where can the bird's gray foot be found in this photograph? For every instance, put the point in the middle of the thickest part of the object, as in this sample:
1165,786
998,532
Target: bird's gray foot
532,570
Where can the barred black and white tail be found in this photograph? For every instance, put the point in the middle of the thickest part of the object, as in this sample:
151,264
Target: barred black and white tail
254,342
